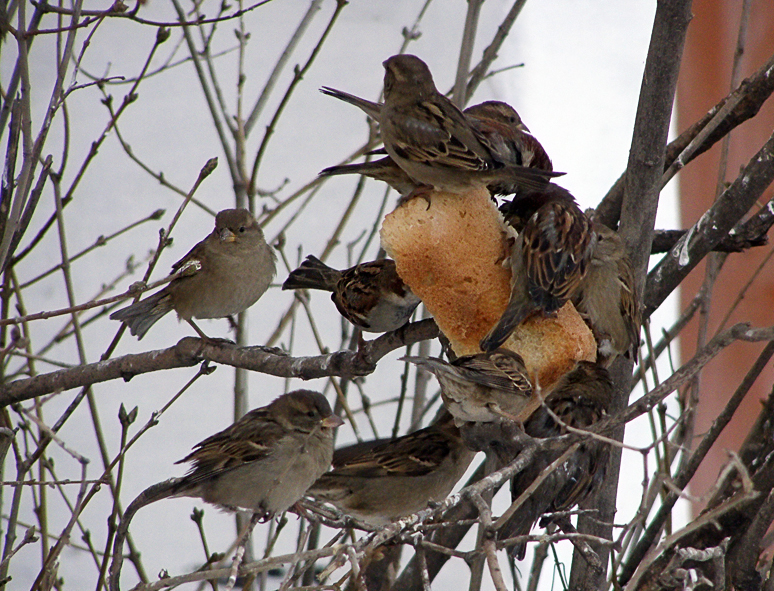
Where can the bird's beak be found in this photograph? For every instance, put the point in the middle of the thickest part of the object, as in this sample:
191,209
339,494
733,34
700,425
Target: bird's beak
522,127
227,235
332,422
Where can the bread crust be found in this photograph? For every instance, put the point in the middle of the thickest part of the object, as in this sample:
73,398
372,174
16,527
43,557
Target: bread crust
451,250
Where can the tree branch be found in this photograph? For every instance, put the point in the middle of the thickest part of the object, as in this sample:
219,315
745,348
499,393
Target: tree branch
191,351
748,98
716,223
638,215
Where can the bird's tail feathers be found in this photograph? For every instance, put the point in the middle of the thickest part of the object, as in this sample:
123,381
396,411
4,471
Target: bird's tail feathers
368,107
140,316
364,168
534,179
313,274
427,363
338,170
533,507
153,493
511,318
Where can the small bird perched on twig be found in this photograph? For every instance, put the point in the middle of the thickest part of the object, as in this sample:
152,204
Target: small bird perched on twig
579,399
430,139
229,271
378,483
484,387
263,463
549,257
508,137
370,295
607,298
509,141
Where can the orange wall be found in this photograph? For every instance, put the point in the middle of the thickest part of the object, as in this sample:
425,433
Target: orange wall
705,79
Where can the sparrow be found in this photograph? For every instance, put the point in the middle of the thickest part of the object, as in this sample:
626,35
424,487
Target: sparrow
430,139
497,121
509,140
231,269
549,258
380,483
607,299
484,387
370,295
263,463
580,398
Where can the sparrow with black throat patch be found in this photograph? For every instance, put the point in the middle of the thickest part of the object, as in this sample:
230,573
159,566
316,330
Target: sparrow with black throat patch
370,295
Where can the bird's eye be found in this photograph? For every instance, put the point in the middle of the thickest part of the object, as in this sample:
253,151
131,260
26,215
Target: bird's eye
242,229
311,414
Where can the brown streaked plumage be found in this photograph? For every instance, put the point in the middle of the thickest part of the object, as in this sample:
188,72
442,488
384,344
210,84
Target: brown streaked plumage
370,295
499,123
549,258
508,139
267,459
483,387
263,463
230,270
608,300
580,399
378,483
430,139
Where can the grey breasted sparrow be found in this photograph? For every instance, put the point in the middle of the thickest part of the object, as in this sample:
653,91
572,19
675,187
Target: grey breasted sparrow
608,300
263,463
233,268
383,482
483,387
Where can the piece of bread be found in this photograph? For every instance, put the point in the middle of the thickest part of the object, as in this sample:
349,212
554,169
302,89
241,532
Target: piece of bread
451,249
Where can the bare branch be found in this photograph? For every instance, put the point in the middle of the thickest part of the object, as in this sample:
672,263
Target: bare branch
191,351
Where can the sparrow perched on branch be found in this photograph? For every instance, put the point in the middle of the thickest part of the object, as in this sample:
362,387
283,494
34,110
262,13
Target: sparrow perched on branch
483,387
383,482
549,258
509,140
508,137
579,399
430,139
607,299
370,295
263,463
229,271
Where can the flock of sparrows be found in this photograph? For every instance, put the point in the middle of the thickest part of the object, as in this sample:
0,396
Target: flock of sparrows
274,455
